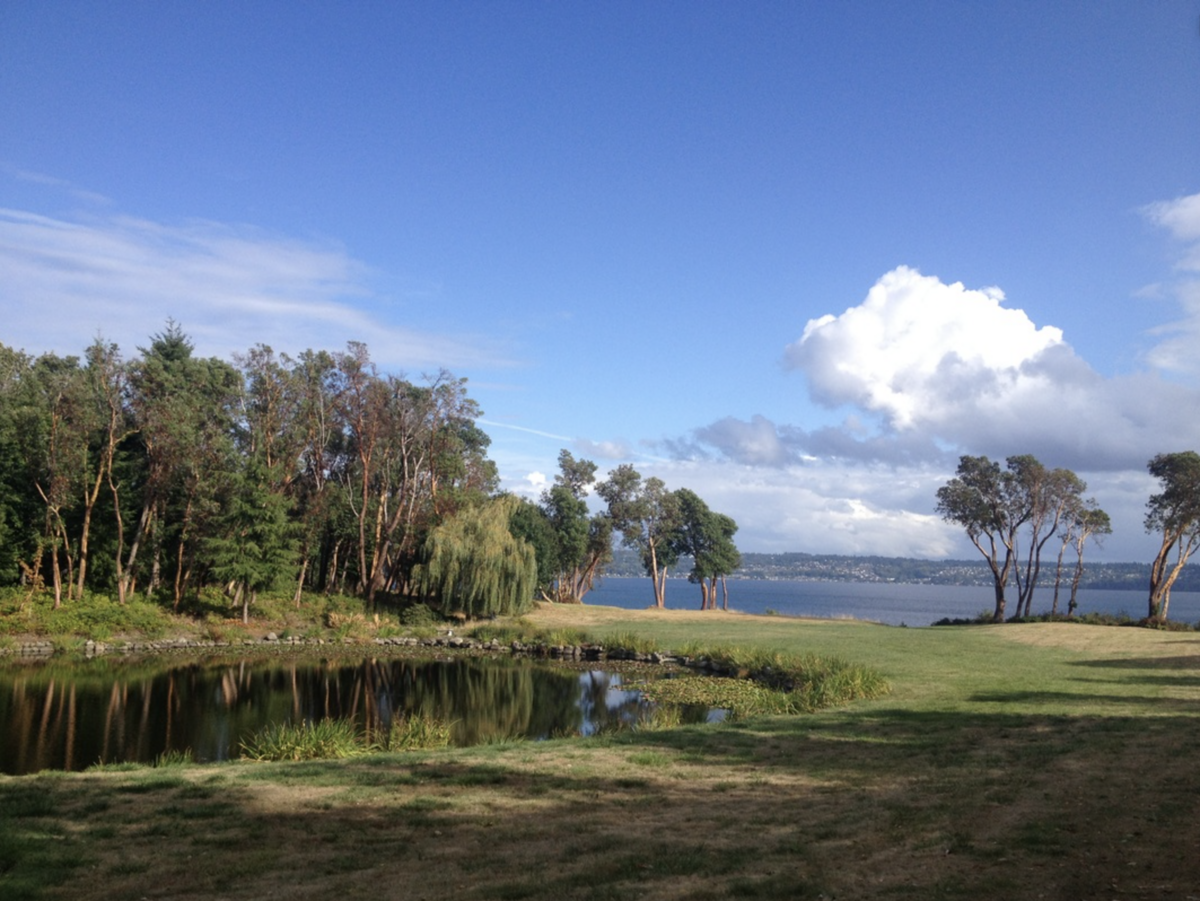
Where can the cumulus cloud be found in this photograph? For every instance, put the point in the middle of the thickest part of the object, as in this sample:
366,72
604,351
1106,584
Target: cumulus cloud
950,368
915,339
229,286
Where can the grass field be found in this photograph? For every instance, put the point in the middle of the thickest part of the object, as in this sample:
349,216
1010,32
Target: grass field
1051,761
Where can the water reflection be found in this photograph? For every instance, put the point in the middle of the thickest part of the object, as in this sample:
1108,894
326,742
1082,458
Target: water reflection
70,716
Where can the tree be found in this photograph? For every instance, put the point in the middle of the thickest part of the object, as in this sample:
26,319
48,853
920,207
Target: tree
706,537
530,524
17,505
647,516
1175,512
982,499
1084,520
474,564
253,546
583,541
1048,495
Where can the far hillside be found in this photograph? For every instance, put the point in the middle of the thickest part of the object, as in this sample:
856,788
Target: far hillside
840,568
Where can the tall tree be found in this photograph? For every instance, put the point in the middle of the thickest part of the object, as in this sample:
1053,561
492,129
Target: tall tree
1048,495
647,516
252,546
984,500
584,541
361,400
104,385
18,506
706,537
1175,512
1084,520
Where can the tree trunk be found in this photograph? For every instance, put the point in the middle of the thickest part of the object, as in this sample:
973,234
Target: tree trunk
131,561
1160,579
112,485
90,498
1058,579
1073,603
300,581
183,535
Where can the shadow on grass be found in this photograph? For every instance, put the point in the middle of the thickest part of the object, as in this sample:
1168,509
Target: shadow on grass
866,803
1187,661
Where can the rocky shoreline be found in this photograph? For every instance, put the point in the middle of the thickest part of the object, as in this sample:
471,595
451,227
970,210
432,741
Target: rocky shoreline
43,648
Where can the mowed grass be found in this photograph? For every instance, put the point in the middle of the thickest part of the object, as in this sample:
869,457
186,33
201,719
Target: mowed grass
1046,760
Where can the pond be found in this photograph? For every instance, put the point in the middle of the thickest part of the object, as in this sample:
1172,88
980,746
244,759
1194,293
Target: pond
72,715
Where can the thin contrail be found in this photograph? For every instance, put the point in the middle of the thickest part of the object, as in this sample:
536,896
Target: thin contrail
521,428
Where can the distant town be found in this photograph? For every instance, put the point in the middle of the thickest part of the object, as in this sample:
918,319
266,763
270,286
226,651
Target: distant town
838,568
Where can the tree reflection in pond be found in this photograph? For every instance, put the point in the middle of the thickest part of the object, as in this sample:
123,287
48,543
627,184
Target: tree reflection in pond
69,716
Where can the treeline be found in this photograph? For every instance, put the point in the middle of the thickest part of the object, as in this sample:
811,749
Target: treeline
168,473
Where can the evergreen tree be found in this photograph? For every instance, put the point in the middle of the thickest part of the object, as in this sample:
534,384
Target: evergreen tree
253,545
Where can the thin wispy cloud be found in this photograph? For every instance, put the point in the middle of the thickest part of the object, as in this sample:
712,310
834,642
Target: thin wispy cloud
1176,350
229,286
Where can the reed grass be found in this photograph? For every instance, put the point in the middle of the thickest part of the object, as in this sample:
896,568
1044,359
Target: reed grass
419,732
326,739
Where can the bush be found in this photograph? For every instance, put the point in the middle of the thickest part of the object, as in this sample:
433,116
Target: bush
324,740
419,732
419,616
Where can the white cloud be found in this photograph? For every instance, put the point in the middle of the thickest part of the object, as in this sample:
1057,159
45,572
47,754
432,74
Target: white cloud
915,340
821,507
603,450
930,371
952,367
1177,349
1181,217
228,286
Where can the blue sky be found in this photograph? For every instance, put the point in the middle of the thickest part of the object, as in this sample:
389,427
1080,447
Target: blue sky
795,256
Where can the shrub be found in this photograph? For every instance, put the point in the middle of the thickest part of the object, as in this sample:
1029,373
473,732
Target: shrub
419,732
324,740
419,616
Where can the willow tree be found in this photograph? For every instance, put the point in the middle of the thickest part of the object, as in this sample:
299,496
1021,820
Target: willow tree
474,565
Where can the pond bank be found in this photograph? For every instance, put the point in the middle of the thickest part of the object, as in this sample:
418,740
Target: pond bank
43,648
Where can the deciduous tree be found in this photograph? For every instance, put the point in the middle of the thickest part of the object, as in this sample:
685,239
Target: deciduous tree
1175,512
647,516
473,564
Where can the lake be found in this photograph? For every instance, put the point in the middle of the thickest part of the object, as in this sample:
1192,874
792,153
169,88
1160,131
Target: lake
892,603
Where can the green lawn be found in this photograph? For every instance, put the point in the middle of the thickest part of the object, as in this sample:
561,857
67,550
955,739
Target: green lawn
1016,761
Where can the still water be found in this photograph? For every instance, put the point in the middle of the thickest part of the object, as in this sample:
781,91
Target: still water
60,715
892,603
